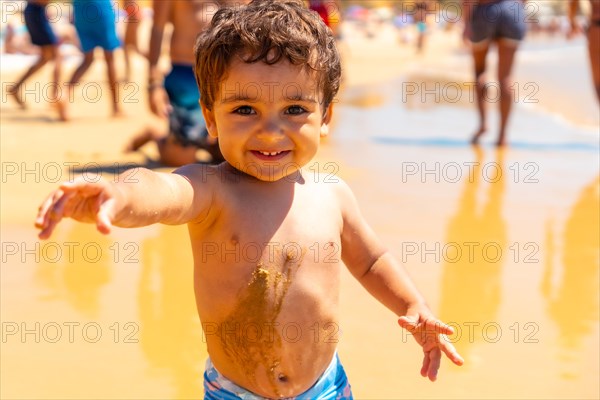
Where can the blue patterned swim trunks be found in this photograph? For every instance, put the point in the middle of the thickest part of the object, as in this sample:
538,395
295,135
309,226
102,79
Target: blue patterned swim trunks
332,385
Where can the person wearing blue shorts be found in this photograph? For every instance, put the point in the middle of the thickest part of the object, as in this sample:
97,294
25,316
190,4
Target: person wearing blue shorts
502,22
187,129
175,97
95,23
43,36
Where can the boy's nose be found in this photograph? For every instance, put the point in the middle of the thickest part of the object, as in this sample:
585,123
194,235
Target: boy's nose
271,130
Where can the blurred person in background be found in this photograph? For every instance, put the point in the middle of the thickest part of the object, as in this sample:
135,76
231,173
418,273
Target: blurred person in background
95,23
593,37
501,22
15,38
175,97
330,12
420,18
133,18
42,35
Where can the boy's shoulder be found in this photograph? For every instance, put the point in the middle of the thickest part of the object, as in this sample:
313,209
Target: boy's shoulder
314,178
326,180
199,173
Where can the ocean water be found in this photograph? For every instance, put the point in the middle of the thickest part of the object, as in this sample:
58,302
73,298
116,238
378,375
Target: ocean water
504,243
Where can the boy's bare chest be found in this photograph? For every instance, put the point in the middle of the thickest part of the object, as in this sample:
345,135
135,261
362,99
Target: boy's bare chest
256,231
258,253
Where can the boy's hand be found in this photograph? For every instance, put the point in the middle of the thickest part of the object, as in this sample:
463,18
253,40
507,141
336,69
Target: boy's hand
80,200
430,333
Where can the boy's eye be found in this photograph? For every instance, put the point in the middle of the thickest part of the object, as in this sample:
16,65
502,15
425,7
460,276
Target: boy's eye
244,110
295,110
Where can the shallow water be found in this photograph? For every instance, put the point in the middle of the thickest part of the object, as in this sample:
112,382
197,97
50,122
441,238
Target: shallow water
513,266
505,244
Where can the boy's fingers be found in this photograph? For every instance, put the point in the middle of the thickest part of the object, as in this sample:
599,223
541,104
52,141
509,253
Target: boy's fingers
437,326
76,184
103,218
445,329
55,214
57,211
425,366
408,322
435,356
51,219
83,187
450,352
45,210
45,233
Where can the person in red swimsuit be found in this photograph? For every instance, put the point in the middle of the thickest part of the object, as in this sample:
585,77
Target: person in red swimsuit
330,12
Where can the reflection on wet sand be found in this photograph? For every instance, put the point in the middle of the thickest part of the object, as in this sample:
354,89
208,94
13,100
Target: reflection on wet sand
170,332
81,270
470,291
572,298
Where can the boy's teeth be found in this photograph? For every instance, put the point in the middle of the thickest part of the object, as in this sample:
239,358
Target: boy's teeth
266,153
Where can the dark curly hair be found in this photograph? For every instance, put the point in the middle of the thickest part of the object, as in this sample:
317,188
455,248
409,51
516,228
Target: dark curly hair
266,31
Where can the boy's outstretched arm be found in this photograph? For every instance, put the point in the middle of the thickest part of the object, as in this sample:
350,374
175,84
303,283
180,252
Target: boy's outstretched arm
383,276
131,200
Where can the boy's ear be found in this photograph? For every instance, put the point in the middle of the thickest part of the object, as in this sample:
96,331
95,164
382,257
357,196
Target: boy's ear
326,120
209,120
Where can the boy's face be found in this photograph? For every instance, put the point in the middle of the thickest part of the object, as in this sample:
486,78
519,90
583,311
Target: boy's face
268,118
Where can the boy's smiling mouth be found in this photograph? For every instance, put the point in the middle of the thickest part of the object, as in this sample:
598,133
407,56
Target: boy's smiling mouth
269,155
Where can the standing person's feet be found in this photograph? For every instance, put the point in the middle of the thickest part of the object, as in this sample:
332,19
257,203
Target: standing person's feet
477,135
501,140
14,92
61,107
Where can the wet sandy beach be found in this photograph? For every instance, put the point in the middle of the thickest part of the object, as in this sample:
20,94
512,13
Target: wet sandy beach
504,244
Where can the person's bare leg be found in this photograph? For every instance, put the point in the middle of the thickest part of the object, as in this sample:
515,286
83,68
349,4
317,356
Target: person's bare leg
172,154
130,40
130,44
112,81
88,59
506,53
149,134
59,102
594,51
420,40
479,53
127,56
45,56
